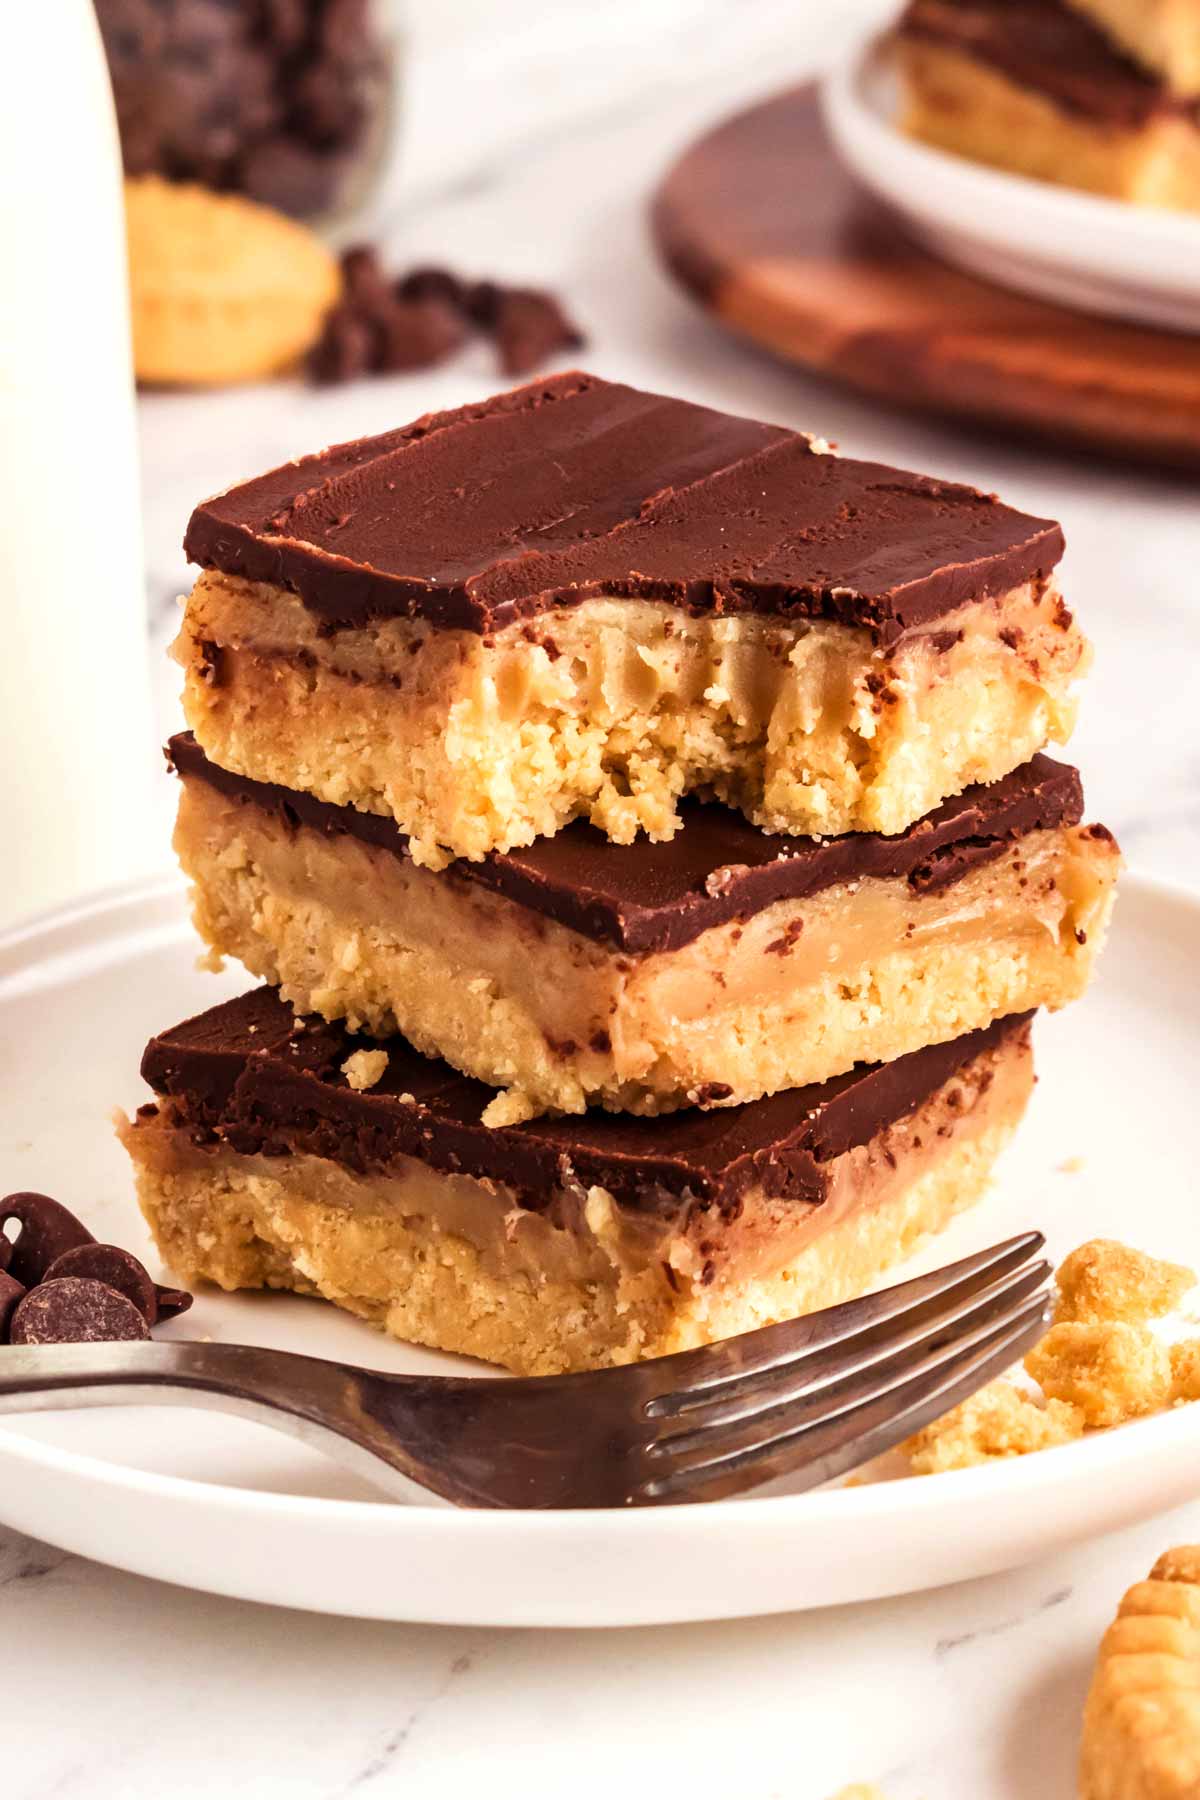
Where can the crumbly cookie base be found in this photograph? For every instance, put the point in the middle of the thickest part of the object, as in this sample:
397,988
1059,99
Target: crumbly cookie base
1162,35
447,1261
966,107
611,709
798,993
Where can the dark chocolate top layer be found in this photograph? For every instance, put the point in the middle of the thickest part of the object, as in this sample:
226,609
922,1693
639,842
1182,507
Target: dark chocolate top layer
647,897
1046,45
255,1076
573,487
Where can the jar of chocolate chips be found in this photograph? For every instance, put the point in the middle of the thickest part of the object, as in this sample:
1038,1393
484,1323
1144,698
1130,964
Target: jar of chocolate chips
289,101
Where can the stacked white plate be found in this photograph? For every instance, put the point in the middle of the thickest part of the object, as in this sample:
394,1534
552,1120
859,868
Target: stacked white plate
1080,250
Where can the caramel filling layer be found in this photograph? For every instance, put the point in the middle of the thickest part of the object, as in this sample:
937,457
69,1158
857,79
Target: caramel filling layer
455,1262
796,993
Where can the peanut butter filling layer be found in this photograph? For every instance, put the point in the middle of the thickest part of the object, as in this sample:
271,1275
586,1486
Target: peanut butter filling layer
794,993
455,1262
612,708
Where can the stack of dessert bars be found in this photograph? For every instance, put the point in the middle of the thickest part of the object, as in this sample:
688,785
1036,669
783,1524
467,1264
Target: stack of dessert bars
1102,95
638,818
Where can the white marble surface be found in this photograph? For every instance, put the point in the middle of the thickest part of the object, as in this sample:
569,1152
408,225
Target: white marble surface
115,1687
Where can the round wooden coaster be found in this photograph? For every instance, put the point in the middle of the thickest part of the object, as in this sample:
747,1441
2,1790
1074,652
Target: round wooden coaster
762,224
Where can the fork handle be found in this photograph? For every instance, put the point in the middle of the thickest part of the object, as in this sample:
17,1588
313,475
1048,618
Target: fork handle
318,1402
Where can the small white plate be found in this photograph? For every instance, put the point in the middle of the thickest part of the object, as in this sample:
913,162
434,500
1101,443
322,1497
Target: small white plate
234,1508
1081,250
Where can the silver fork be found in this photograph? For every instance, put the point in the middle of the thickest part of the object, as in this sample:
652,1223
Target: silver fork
810,1398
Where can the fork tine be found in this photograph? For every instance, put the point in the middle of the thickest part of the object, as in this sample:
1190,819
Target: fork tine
692,1379
821,1380
859,1428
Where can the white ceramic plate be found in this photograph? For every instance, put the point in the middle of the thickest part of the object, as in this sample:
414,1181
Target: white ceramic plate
234,1508
1078,249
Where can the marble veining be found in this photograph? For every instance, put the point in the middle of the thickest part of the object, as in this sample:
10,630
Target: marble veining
533,141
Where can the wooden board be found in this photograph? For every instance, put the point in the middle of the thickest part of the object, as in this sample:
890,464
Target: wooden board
766,229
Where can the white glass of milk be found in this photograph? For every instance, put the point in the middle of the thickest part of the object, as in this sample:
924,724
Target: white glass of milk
77,750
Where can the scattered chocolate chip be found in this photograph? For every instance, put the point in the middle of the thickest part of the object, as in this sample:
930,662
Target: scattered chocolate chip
530,328
171,1302
72,1311
432,284
345,349
47,1231
55,1251
363,277
384,325
116,1268
11,1292
482,303
416,333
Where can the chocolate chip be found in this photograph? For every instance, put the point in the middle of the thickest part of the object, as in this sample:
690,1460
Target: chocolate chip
292,177
71,1311
363,279
387,326
116,1268
345,349
10,1293
429,283
285,23
47,1231
531,327
343,25
327,105
171,1302
413,334
482,302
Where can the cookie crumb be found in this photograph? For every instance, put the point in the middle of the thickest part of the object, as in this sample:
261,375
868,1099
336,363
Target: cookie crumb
210,962
365,1068
1111,1370
1104,1282
1000,1421
511,1107
1185,1369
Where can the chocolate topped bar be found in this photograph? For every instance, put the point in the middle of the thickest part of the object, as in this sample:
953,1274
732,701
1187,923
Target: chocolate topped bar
1046,45
647,897
260,1079
574,487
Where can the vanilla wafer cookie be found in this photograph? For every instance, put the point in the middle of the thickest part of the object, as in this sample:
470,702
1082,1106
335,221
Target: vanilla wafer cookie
221,289
1141,1725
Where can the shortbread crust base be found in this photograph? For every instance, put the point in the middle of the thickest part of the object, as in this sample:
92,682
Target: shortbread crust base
449,1262
611,709
862,972
965,106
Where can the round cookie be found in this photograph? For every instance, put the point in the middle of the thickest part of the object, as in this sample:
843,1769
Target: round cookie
1141,1725
221,289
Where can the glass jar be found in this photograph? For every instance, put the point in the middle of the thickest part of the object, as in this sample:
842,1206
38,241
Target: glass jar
292,102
